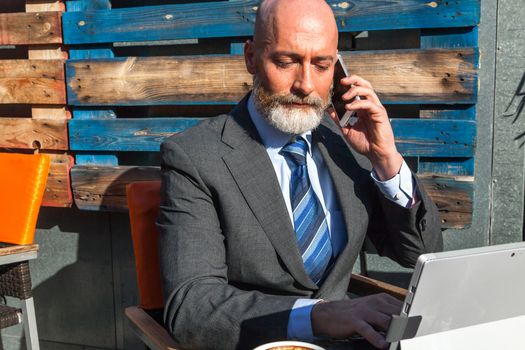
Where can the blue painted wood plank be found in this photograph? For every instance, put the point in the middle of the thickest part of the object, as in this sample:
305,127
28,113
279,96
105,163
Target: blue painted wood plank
125,134
83,5
237,49
79,114
434,138
446,166
449,37
92,52
98,159
236,18
414,137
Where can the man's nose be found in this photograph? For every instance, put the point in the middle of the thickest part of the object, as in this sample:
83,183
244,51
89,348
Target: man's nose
303,84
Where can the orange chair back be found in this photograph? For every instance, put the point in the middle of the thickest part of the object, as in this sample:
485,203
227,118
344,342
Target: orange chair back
143,203
23,180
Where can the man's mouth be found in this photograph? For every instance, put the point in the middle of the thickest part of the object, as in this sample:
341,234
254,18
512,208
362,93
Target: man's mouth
301,105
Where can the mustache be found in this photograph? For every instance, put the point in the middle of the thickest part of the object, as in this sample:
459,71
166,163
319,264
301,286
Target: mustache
290,98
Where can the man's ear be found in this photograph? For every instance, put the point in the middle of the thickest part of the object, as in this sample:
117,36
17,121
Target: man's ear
249,56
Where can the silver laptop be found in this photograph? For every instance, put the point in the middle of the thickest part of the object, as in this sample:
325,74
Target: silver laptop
462,288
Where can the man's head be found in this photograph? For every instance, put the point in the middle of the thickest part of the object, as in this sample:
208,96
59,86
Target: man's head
292,58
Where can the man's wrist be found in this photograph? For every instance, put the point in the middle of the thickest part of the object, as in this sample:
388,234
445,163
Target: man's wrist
387,167
316,317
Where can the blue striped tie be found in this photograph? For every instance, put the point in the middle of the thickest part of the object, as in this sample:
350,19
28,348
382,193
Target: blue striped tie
310,223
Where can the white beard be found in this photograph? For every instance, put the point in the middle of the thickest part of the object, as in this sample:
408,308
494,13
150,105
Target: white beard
293,120
280,112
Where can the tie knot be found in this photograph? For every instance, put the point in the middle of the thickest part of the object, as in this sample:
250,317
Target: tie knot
295,151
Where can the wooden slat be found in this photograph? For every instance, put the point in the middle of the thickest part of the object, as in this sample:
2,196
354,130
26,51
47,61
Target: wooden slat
435,138
399,76
30,28
414,137
103,188
362,286
44,134
50,112
201,20
47,52
453,197
32,82
18,249
58,190
154,335
45,5
125,134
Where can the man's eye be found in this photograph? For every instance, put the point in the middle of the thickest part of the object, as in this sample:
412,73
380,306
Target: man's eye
282,64
322,67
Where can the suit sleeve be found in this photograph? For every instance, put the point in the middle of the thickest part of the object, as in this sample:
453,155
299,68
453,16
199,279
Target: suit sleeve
202,310
405,233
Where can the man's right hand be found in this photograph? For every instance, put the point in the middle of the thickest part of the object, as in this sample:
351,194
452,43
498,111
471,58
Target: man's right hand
365,316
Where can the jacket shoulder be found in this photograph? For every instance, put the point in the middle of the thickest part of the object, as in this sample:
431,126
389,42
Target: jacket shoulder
204,135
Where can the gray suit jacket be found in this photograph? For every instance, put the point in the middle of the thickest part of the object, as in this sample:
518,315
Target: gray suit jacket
230,263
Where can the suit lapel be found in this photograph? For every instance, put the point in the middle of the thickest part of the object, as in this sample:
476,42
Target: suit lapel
252,170
349,184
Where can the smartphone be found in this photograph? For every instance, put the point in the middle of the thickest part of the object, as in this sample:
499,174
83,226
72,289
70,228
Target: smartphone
345,117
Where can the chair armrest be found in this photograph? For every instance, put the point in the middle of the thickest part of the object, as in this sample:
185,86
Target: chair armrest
148,330
17,253
362,286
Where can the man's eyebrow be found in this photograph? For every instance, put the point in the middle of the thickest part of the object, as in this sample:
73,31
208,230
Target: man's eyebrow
324,58
297,56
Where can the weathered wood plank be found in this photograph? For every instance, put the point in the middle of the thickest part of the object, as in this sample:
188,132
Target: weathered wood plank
49,112
45,5
58,190
200,20
27,133
399,76
453,197
30,28
47,52
414,137
32,82
103,188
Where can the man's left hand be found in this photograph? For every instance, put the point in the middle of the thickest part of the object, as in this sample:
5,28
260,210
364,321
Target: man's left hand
372,134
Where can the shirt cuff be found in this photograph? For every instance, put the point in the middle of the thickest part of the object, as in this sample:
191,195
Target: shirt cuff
300,321
399,189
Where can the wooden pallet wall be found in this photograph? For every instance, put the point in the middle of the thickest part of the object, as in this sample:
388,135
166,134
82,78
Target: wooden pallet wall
136,73
36,80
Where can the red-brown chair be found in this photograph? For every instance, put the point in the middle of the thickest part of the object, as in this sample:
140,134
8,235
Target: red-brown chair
143,203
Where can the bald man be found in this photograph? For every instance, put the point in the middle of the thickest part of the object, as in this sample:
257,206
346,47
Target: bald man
264,210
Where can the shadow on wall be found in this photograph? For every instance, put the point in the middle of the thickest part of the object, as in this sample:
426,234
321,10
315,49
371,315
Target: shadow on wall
77,282
516,106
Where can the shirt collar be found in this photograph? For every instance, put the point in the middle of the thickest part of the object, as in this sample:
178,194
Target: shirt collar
271,137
